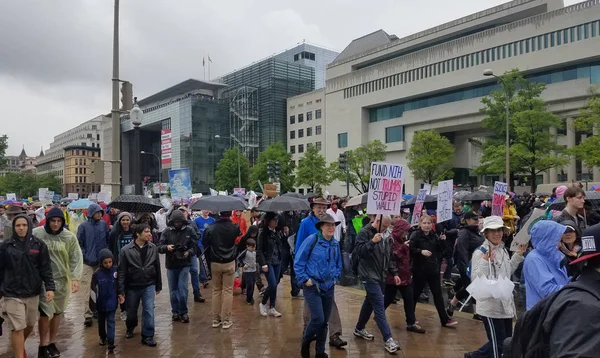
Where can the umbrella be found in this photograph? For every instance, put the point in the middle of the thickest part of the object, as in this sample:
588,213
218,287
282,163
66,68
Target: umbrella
219,203
358,200
136,204
310,195
459,195
283,203
80,204
407,196
293,195
429,203
477,196
592,197
10,202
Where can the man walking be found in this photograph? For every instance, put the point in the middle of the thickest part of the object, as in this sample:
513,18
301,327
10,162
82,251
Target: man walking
24,268
575,198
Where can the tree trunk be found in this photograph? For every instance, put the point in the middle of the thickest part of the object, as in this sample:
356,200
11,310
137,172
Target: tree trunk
533,181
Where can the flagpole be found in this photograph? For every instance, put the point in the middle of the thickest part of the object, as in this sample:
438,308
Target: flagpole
209,61
203,68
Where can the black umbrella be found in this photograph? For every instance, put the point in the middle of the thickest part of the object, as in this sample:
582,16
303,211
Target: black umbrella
219,203
429,203
477,196
136,204
283,203
591,197
293,195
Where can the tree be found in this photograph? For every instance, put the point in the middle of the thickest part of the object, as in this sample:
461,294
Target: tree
276,152
312,170
588,121
3,147
359,165
226,175
430,157
27,184
533,149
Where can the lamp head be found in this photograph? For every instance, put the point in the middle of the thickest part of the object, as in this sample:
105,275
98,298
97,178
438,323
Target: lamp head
488,72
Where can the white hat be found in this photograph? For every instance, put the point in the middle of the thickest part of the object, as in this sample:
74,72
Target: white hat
492,222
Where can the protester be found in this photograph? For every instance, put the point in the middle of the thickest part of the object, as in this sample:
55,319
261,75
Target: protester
449,229
269,258
575,200
11,212
251,234
542,268
120,235
194,268
140,279
247,260
104,284
373,262
24,268
92,236
203,221
571,247
338,215
66,261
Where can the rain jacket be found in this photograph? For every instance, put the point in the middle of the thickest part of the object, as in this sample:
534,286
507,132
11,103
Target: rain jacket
184,240
322,265
307,228
92,236
65,254
118,238
104,284
374,259
401,253
542,268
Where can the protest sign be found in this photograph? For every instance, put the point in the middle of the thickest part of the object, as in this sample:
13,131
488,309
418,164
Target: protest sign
385,189
73,196
418,206
498,199
11,196
239,191
524,235
444,200
428,188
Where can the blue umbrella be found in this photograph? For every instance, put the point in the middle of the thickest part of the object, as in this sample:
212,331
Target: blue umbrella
80,204
407,196
9,202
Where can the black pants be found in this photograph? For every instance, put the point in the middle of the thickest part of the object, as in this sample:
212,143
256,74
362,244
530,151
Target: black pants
249,279
257,280
497,330
461,288
435,285
408,298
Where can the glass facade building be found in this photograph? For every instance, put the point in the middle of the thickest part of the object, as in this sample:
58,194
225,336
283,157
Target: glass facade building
311,56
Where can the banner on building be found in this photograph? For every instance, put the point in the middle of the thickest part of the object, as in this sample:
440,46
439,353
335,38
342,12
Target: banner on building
385,189
417,211
165,147
180,184
444,200
499,198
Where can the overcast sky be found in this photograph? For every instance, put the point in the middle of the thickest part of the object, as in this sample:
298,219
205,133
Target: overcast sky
56,55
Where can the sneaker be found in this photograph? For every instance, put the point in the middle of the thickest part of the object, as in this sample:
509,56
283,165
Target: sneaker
299,296
450,310
129,334
227,324
337,341
305,350
216,324
423,297
102,341
364,334
273,312
175,317
416,329
199,298
262,291
449,283
149,341
43,352
477,317
124,316
263,310
111,346
391,346
321,355
251,302
451,323
53,351
185,318
89,321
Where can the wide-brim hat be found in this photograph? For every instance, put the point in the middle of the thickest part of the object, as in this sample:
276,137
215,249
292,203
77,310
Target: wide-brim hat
319,200
493,222
14,210
326,219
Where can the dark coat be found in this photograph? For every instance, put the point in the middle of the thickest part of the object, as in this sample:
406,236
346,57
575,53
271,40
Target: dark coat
401,254
468,241
184,240
219,241
133,273
374,259
432,242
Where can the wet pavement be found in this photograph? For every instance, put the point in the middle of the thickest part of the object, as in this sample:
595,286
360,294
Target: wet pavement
256,336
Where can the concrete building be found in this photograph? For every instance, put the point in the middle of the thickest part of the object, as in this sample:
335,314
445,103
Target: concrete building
21,163
306,123
387,88
313,56
78,163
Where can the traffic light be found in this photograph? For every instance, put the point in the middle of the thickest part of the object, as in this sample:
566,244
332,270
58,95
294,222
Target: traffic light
343,161
126,96
277,169
270,170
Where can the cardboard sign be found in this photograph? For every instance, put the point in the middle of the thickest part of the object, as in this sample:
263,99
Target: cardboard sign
444,200
385,189
73,196
11,196
418,206
498,200
524,235
239,191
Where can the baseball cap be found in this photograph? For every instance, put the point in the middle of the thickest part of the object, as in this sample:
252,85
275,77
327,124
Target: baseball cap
590,242
470,215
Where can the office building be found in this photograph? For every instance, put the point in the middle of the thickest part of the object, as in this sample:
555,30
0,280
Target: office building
387,88
309,55
78,170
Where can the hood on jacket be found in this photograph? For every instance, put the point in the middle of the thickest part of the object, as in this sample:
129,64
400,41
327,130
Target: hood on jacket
117,227
545,236
29,226
94,208
401,228
176,215
105,254
153,224
54,213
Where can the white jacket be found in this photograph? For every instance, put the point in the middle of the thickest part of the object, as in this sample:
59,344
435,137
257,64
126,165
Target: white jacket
339,216
502,266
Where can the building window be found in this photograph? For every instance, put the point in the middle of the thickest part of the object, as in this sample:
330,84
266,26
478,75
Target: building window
300,118
292,119
317,130
308,145
292,134
300,133
308,116
300,148
394,134
292,149
309,131
343,140
317,114
318,145
318,101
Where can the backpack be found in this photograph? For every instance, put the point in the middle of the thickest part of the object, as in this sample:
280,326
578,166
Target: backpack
470,268
530,340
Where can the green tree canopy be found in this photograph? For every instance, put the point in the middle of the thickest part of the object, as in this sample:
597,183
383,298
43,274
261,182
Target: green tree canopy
276,152
312,170
226,176
589,121
533,149
430,157
3,147
359,163
27,184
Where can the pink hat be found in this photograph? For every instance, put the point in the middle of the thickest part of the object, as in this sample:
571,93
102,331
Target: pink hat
560,191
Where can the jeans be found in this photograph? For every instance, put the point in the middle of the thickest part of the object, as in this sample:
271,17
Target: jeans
249,279
435,285
272,279
407,297
146,296
449,267
287,260
320,304
178,289
106,325
194,276
222,299
497,330
374,303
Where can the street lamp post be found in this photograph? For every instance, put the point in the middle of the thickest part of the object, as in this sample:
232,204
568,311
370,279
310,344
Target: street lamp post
136,116
488,73
159,177
115,181
238,158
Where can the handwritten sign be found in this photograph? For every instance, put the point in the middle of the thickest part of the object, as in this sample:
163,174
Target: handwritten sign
498,199
385,189
427,187
73,196
444,200
524,235
11,196
418,206
239,191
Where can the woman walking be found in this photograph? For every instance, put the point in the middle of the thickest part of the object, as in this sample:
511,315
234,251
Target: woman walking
269,257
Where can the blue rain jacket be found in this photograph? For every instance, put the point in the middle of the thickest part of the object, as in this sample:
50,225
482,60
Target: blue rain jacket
323,265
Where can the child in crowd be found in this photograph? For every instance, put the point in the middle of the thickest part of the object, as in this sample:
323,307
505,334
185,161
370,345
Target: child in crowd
247,260
104,284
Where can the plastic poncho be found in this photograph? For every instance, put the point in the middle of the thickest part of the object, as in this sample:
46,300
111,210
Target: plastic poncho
65,253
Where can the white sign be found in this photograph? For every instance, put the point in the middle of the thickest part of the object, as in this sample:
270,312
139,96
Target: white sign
239,191
498,199
73,196
427,187
524,235
42,193
385,189
417,211
11,196
93,196
50,196
104,197
444,200
434,190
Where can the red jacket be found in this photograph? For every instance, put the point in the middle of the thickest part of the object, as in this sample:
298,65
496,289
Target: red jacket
400,253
